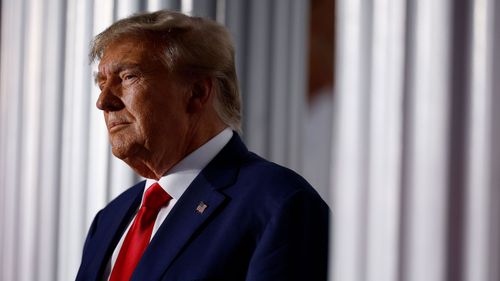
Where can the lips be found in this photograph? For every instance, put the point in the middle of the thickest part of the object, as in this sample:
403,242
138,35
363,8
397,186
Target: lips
116,124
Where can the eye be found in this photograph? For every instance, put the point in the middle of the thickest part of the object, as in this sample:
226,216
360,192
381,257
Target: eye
129,77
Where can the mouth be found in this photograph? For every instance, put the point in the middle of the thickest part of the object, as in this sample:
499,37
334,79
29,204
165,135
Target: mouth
116,125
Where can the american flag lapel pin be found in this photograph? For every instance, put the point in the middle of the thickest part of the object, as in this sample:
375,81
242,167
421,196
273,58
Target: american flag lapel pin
201,207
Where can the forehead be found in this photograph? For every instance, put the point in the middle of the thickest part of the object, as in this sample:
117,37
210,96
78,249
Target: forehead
131,50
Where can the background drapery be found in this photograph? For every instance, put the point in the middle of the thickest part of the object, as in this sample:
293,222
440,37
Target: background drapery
415,162
414,187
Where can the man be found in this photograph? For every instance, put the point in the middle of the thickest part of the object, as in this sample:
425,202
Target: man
209,209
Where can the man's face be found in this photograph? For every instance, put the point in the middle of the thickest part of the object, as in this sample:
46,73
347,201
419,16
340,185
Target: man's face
145,107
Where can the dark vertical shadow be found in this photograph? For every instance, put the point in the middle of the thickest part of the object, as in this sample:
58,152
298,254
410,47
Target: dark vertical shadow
19,136
143,5
494,214
406,137
242,58
205,8
115,10
236,20
457,143
269,81
89,8
171,5
366,91
63,30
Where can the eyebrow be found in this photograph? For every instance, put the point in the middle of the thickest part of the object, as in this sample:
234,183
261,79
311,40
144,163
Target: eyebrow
115,68
97,77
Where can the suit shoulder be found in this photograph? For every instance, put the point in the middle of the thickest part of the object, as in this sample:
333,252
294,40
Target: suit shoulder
270,171
269,179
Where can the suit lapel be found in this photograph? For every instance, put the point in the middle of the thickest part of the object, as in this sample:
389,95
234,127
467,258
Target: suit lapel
184,220
114,225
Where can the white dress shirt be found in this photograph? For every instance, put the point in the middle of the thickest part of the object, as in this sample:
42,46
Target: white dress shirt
176,181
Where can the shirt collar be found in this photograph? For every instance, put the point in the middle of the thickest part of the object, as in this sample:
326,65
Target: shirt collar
179,177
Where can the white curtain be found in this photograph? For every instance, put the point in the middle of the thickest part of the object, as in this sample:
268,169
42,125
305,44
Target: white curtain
415,184
415,176
56,169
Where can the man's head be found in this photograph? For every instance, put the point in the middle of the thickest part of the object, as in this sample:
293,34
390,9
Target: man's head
168,83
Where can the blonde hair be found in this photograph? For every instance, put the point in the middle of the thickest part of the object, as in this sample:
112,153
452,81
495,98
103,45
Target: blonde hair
192,45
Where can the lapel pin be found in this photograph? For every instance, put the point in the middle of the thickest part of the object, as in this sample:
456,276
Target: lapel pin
201,207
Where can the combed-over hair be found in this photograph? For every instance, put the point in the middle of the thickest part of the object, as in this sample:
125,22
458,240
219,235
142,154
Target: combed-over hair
192,46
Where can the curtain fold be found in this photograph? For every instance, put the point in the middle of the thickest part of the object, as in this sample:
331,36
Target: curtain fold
414,176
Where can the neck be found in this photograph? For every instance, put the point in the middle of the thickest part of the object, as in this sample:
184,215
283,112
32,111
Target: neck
156,168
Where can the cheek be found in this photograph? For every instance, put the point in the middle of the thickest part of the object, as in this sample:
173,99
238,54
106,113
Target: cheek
154,109
137,103
150,118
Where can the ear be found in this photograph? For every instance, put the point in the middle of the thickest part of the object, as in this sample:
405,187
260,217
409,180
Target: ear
201,94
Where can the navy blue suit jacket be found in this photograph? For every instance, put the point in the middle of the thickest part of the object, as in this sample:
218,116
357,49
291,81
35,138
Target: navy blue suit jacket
263,222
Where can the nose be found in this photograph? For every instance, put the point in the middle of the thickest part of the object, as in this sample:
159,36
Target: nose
109,101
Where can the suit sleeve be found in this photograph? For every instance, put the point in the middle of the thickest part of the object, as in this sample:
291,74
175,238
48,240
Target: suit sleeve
86,258
294,244
91,232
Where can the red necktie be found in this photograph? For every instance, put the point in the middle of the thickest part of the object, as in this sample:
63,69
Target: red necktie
139,234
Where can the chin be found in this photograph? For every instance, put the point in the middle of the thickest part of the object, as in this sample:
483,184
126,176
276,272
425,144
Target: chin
120,152
123,146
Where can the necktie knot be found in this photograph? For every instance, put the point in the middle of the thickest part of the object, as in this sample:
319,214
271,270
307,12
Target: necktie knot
155,197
